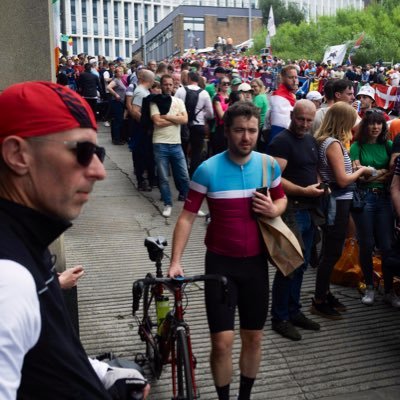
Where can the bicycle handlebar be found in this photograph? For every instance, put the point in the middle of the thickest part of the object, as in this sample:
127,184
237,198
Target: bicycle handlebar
172,284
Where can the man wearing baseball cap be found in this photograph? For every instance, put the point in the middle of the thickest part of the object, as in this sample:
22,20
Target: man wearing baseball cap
49,163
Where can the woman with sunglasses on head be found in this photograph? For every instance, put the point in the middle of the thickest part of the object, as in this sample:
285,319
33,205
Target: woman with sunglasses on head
334,166
374,223
220,105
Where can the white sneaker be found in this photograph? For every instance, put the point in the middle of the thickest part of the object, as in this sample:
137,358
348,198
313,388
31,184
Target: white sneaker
368,298
107,124
391,298
201,213
167,211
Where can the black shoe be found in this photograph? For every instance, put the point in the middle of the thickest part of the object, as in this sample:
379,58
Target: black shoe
286,329
302,321
335,303
325,310
181,198
144,187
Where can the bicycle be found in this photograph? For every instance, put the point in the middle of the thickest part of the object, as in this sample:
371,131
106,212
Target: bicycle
168,340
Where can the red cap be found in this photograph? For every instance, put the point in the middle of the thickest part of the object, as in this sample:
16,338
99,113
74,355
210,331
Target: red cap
38,108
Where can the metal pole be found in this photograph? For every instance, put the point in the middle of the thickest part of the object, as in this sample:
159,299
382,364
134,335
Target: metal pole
250,30
144,46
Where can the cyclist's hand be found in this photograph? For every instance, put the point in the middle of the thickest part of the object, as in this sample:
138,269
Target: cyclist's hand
263,204
175,269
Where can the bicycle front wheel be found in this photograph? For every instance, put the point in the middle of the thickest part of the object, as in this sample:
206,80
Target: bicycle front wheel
184,368
149,315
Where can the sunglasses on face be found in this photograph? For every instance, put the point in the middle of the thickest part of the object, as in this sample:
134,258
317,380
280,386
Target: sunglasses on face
84,150
225,84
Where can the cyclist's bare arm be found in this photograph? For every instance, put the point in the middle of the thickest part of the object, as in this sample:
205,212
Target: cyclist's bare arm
180,237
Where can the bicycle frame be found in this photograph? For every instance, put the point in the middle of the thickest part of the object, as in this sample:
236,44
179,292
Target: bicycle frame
166,344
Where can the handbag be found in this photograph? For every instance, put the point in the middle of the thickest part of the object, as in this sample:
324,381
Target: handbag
283,247
358,203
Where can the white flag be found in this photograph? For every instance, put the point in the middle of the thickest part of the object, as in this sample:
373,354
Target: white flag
271,23
335,54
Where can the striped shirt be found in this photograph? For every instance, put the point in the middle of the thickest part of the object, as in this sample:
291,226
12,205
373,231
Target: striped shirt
229,188
325,170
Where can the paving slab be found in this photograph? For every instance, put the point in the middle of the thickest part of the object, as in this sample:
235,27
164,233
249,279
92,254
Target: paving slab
354,358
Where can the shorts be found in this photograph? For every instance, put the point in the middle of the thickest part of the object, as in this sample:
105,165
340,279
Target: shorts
248,290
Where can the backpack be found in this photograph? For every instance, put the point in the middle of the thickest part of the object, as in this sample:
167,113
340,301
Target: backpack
191,100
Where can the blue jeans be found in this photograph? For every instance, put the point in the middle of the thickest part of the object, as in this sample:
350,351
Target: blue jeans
164,156
286,290
374,226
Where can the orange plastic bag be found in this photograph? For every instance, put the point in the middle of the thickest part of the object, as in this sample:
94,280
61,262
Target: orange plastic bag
347,271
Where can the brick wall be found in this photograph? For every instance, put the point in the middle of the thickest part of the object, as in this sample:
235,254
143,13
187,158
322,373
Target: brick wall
235,27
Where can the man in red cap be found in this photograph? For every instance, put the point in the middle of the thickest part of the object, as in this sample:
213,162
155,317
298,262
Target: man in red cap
49,163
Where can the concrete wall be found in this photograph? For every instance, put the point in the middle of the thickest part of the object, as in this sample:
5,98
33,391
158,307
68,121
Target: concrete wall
25,46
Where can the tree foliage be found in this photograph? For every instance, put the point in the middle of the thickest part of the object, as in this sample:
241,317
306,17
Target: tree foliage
379,22
281,14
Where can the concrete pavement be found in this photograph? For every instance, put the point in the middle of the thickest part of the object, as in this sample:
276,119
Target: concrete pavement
354,358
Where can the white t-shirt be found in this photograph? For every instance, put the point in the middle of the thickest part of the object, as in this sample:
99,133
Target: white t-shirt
20,323
168,134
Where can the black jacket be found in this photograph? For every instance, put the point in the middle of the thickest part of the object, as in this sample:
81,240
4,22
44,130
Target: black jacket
89,84
57,367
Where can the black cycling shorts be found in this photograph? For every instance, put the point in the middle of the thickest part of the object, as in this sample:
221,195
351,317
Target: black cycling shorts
248,287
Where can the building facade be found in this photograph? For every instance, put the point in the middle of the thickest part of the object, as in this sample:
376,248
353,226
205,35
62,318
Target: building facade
197,27
111,27
315,8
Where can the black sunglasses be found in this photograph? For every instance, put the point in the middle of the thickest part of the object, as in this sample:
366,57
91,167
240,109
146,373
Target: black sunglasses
84,150
225,84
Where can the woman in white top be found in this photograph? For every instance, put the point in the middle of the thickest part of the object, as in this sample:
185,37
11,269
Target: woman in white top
335,169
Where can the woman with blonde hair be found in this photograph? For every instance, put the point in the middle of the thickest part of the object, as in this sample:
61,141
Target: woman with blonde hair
335,169
260,98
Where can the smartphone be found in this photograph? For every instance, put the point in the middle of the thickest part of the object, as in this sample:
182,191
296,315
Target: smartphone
263,190
323,186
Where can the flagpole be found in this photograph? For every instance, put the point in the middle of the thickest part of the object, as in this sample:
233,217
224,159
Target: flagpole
250,33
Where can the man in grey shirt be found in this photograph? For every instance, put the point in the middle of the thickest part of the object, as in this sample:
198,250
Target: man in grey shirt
140,142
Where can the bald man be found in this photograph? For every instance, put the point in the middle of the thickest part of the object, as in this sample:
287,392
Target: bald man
297,154
140,141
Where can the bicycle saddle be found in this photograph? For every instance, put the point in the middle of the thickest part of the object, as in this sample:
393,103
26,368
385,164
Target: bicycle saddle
155,243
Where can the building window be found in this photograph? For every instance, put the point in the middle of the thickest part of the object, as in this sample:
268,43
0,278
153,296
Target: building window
74,45
107,47
156,14
117,48
95,18
85,45
128,49
73,17
96,47
84,18
194,24
105,17
126,20
136,20
146,17
116,18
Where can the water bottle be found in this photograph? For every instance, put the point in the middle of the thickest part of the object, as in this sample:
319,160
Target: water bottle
162,308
